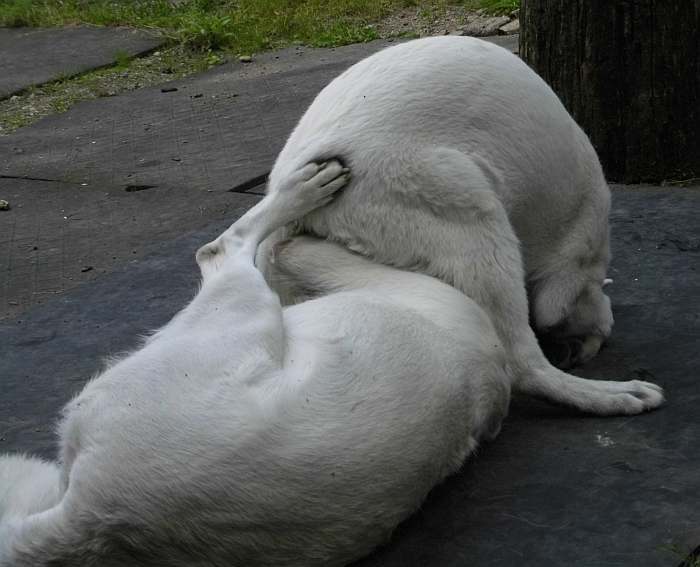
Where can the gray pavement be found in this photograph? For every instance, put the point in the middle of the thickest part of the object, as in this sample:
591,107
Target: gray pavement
32,56
91,188
118,193
70,178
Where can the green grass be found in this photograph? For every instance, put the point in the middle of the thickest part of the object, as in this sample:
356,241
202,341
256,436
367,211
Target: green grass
241,26
500,6
244,26
687,560
122,59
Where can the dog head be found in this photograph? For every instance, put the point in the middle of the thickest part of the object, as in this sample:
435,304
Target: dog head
572,328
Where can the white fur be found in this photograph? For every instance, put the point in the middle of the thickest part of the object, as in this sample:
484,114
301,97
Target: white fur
27,486
467,167
242,434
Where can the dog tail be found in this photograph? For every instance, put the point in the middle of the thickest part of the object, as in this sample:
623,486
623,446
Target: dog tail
27,486
30,490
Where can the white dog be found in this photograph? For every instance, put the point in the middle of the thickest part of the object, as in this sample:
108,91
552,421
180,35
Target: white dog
246,434
460,153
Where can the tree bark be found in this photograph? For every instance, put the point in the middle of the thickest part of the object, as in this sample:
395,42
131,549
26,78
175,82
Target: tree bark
629,73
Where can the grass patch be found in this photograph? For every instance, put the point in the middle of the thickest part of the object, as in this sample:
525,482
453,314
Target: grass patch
687,560
122,59
500,6
241,26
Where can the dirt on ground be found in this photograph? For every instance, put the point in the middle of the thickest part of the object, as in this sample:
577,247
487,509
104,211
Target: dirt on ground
419,22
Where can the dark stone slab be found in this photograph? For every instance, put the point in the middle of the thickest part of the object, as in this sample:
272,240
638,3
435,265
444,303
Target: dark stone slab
555,488
32,56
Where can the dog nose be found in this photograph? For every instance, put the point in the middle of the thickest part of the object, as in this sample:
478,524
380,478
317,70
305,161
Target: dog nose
588,348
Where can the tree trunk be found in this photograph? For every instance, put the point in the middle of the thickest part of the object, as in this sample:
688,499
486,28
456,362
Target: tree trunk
629,73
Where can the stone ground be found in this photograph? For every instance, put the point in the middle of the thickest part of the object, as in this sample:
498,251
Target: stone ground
34,56
111,199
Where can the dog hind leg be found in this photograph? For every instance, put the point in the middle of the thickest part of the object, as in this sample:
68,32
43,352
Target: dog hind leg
437,212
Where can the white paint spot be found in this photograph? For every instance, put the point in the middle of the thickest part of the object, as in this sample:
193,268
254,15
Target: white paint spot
604,440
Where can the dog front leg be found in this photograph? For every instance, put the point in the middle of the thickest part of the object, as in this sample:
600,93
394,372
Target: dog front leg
309,188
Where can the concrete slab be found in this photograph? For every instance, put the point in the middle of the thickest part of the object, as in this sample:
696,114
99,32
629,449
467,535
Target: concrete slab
32,56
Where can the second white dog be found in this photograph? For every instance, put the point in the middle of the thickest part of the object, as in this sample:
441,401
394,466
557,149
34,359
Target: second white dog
467,167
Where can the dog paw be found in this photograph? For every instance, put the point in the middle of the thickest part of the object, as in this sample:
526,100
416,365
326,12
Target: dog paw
321,181
309,188
633,397
648,394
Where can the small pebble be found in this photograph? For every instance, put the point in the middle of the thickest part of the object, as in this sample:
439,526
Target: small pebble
4,205
245,59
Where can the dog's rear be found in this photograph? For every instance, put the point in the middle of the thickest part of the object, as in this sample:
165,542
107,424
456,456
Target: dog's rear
400,118
466,167
27,486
